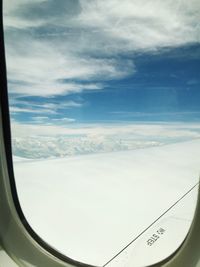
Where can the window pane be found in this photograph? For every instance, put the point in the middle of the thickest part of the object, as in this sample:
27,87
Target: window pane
105,117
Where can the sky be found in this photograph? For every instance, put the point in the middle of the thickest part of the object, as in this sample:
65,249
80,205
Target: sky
72,62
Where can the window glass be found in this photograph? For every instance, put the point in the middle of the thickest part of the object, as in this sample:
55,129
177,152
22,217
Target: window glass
105,118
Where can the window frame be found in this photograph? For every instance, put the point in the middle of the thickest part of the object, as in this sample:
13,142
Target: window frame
17,237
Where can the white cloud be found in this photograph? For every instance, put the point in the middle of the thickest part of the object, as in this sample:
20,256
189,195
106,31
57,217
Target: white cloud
15,110
40,119
50,88
61,137
63,120
47,121
20,106
60,106
69,104
107,29
44,71
170,130
142,24
45,106
12,20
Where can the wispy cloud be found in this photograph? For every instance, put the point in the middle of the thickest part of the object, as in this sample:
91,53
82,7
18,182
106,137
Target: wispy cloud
41,71
39,119
46,121
20,106
193,82
63,120
46,105
15,110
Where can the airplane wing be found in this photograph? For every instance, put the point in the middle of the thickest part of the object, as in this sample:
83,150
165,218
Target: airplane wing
110,208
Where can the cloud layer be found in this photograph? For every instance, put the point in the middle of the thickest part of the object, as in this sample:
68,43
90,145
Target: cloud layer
43,141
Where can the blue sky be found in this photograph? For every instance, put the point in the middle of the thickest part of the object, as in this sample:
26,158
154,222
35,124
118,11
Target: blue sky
95,62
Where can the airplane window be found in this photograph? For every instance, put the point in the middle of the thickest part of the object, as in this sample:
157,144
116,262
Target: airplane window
105,118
